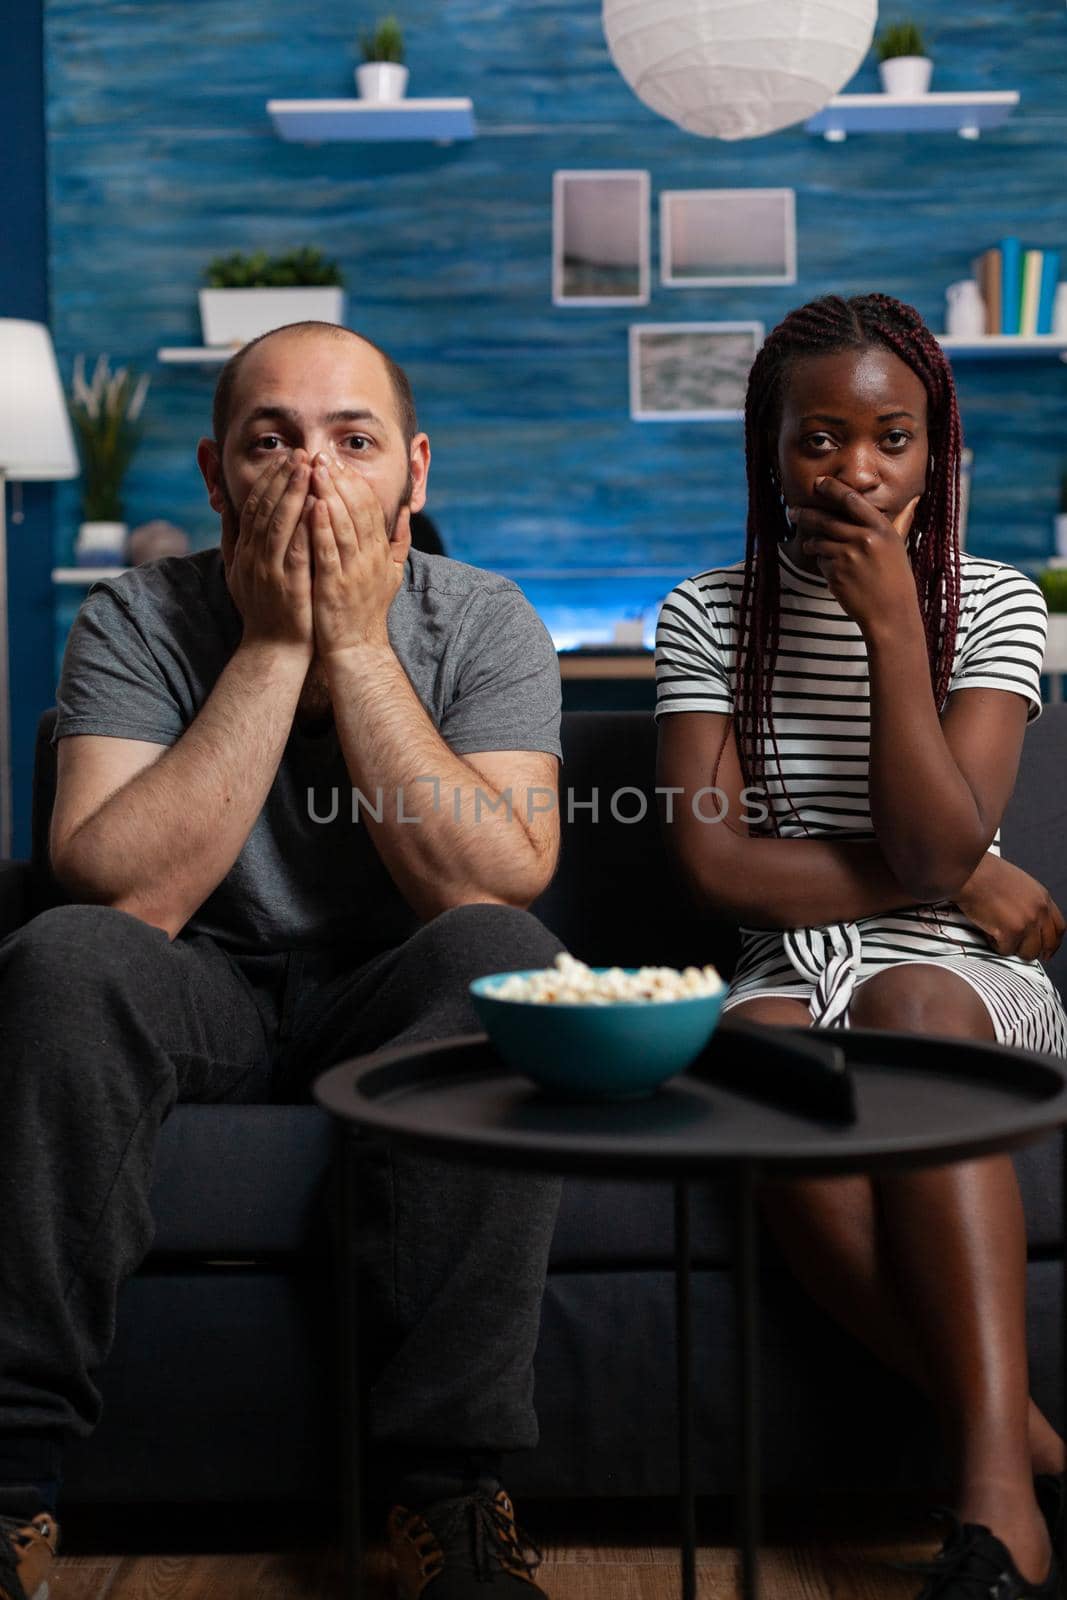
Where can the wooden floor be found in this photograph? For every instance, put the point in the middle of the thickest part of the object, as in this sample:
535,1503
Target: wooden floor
621,1554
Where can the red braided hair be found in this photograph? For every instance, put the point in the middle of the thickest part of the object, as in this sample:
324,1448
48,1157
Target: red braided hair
823,327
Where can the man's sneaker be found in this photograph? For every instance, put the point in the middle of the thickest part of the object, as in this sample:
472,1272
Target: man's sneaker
973,1564
469,1548
27,1552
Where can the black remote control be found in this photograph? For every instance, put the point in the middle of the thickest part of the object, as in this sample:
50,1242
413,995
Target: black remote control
781,1065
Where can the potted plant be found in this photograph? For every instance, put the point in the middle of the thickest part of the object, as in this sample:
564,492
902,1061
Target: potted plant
903,65
1061,519
250,294
383,75
106,413
1053,583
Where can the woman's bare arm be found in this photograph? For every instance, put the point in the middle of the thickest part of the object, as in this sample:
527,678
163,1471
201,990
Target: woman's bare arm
762,883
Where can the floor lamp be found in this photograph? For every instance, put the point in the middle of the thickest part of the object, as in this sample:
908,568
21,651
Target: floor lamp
36,443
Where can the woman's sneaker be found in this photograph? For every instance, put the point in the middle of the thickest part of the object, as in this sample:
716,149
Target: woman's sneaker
469,1548
973,1564
1050,1490
27,1555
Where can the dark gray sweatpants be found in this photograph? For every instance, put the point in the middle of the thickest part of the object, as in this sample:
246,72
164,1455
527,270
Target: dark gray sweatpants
105,1025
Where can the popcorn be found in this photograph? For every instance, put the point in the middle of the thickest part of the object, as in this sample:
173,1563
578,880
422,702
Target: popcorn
571,982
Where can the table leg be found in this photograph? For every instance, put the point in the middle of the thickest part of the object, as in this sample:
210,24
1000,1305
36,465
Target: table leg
351,1405
1063,1331
748,1355
683,1337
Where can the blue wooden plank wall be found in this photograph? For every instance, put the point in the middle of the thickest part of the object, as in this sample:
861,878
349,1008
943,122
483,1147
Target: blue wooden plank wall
161,154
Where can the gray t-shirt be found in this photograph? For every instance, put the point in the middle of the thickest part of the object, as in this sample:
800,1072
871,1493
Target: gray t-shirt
147,648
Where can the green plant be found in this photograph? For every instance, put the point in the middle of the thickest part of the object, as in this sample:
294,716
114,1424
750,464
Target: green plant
304,268
1053,583
384,43
900,39
106,413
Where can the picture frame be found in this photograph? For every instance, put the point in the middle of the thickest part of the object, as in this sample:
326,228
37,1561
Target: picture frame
714,238
966,476
691,371
601,250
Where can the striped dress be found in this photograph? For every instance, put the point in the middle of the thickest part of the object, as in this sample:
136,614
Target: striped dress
821,705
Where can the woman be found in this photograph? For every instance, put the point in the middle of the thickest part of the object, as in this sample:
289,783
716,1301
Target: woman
868,687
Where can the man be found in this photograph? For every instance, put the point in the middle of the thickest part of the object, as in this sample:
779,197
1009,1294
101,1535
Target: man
305,789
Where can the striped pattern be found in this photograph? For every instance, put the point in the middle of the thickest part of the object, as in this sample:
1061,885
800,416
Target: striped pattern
821,705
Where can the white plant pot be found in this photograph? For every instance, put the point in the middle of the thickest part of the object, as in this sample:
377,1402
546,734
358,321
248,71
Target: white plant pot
381,80
101,544
1056,647
906,75
233,316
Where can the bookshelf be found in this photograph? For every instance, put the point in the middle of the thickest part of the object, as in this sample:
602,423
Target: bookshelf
1003,346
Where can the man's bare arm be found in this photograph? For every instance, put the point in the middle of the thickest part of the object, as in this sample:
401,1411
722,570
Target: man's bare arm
153,830
483,827
155,833
762,882
453,829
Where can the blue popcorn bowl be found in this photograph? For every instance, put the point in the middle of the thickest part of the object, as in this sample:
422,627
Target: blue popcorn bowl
618,1051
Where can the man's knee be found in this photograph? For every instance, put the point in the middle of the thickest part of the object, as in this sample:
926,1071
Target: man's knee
483,937
74,945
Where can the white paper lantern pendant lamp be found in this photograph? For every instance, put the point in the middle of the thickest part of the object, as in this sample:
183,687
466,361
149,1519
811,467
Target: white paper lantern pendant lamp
737,69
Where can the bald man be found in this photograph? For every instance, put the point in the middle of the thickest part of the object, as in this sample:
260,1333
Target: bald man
306,790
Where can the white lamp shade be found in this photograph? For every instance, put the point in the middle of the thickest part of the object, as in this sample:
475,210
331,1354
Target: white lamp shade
36,441
737,69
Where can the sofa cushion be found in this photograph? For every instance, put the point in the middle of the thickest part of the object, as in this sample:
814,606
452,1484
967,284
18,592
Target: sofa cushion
236,1182
1034,831
211,1201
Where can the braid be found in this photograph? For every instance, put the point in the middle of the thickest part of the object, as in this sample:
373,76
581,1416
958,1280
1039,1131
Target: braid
823,327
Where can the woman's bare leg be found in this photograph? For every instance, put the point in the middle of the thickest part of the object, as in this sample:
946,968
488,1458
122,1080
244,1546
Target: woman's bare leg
876,1255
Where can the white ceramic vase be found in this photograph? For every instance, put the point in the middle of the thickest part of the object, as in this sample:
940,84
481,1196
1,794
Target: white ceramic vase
101,544
381,80
965,313
906,75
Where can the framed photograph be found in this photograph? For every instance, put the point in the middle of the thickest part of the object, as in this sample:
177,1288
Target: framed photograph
714,237
691,371
600,238
966,474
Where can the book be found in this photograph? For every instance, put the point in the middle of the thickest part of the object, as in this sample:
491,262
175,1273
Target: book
1031,289
986,269
1010,284
1050,272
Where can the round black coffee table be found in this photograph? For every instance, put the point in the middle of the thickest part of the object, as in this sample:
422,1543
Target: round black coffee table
916,1101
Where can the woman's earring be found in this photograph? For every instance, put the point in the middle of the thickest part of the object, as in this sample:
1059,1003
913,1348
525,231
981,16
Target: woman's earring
787,533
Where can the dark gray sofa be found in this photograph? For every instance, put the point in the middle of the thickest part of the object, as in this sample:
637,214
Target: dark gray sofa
221,1382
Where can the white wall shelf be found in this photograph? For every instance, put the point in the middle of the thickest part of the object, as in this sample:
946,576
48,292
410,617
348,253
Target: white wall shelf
322,121
191,355
85,575
1004,346
966,114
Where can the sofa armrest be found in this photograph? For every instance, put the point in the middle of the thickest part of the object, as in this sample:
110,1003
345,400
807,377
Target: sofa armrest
14,895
